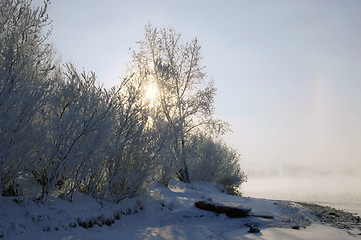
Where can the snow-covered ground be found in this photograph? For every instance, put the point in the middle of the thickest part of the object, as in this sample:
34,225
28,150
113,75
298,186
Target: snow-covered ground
167,213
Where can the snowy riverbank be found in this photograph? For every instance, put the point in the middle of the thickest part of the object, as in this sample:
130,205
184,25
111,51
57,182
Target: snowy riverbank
170,213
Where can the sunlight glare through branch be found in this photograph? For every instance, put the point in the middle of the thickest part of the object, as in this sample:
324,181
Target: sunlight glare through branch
151,92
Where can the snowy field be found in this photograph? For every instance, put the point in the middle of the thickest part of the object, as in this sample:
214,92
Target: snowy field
167,213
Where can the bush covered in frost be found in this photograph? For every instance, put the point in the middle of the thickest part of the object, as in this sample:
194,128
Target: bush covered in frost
214,161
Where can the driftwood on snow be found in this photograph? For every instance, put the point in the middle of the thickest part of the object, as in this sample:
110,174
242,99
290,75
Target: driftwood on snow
231,212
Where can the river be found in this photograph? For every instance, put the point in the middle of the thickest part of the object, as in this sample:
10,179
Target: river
343,193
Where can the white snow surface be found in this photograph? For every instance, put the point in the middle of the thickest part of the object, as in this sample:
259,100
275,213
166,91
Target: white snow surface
161,213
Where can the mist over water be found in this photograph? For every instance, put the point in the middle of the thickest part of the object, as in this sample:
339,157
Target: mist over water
340,189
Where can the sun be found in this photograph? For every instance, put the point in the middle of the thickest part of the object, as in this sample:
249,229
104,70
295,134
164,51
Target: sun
151,92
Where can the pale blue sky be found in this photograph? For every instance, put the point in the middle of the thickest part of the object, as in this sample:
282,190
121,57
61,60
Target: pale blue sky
288,73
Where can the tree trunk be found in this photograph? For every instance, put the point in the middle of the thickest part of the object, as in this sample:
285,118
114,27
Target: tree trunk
185,173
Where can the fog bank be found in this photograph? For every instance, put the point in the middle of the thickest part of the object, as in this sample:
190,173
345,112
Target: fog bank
338,189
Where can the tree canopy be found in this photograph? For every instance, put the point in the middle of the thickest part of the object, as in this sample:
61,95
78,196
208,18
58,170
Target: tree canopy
186,95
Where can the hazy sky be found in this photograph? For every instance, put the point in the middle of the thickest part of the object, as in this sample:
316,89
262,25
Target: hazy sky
288,73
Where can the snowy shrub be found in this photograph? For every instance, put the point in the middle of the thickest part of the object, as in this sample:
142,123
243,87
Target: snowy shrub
214,161
25,69
163,152
97,141
129,163
77,128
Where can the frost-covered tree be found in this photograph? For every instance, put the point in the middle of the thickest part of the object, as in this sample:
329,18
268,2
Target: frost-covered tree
186,94
26,66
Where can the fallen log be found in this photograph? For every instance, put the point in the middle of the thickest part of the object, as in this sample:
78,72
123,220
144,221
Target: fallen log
261,216
231,212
